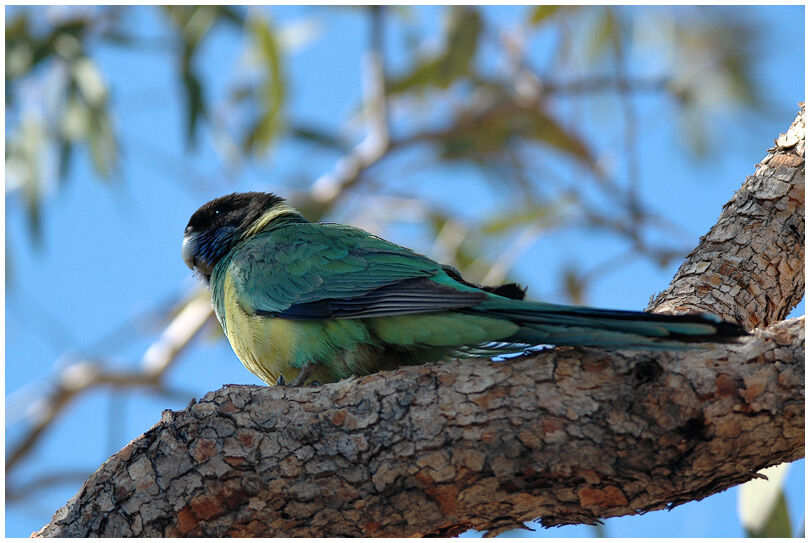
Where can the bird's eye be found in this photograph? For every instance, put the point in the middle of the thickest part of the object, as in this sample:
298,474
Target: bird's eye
216,212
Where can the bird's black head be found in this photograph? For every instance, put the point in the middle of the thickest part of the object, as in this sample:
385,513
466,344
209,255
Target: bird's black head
218,226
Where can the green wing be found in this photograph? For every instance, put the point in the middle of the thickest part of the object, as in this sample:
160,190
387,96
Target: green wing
321,270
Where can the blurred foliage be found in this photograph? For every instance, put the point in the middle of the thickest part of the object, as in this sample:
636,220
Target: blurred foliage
492,119
762,505
778,523
193,24
269,94
76,109
542,14
480,134
455,60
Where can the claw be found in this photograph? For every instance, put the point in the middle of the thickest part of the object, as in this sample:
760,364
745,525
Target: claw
281,381
306,373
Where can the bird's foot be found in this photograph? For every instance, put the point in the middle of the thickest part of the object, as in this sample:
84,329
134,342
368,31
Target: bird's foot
300,379
306,373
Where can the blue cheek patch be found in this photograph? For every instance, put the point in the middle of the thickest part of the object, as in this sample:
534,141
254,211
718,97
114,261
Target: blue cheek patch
212,247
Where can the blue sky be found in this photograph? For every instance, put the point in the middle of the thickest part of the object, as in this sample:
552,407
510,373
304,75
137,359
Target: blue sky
111,253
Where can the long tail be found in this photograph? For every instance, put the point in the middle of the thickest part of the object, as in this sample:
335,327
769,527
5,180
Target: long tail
542,323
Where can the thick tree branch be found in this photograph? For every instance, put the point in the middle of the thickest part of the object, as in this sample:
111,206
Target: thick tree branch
749,268
570,435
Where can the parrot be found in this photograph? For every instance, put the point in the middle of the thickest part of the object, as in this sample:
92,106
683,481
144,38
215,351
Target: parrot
310,303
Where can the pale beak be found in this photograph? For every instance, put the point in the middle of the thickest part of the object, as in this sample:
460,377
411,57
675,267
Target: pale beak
188,251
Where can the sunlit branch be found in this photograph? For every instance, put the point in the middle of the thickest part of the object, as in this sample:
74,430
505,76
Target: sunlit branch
349,168
513,253
89,374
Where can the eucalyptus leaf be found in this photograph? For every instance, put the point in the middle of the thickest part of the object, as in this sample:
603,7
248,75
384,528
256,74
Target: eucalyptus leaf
65,159
454,61
271,91
102,144
574,284
462,44
540,14
319,136
195,102
194,23
484,134
761,504
602,40
777,523
504,222
89,82
547,129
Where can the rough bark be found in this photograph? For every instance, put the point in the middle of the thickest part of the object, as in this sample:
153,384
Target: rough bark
749,268
568,436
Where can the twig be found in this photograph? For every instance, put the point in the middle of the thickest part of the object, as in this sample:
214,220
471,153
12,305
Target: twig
348,169
630,131
43,482
606,83
512,254
89,374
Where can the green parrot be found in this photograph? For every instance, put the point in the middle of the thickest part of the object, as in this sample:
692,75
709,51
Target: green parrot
303,301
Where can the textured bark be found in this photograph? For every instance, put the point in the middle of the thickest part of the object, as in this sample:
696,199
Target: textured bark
749,268
568,436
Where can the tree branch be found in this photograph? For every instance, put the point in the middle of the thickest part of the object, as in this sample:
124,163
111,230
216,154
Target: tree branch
749,268
87,375
349,168
571,435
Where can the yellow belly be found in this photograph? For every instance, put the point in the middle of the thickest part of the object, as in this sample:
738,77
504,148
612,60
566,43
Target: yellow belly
269,347
265,359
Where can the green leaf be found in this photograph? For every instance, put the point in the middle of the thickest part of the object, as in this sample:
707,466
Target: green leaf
17,29
319,137
194,23
453,62
19,51
574,285
195,101
230,15
24,150
778,523
532,214
484,134
462,44
102,144
603,38
762,506
65,158
271,90
85,117
540,14
546,129
89,82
